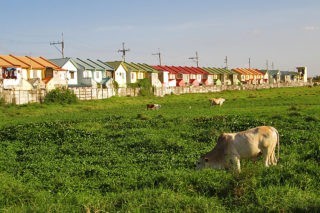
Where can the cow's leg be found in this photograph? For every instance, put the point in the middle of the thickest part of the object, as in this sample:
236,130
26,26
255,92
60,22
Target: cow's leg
265,158
273,159
236,163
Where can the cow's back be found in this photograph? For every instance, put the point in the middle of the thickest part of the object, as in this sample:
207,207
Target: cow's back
251,142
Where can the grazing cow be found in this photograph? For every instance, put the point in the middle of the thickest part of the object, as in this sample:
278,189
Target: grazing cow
153,106
231,147
216,101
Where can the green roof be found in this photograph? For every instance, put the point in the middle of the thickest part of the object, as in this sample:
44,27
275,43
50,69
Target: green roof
132,67
270,72
218,71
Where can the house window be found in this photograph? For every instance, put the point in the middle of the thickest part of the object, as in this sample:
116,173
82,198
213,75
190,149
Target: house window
97,74
140,76
48,73
71,75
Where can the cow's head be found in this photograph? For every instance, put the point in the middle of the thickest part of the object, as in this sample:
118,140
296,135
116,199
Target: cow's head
205,162
202,163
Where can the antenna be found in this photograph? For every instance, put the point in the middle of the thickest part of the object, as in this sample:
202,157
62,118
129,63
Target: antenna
158,54
226,62
267,64
62,46
196,58
123,51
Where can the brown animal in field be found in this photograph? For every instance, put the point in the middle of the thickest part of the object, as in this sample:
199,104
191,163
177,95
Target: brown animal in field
231,147
216,101
153,106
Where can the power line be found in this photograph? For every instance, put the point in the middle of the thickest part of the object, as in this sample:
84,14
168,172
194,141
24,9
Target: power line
196,59
62,46
123,51
159,55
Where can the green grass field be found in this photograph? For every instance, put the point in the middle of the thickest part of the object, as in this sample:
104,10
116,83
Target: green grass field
113,155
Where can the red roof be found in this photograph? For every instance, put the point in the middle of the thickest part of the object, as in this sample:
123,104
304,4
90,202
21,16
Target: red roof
181,70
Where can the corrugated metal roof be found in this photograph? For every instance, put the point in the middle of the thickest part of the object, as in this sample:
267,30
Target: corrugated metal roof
28,62
60,61
114,64
82,63
14,61
218,71
5,63
104,65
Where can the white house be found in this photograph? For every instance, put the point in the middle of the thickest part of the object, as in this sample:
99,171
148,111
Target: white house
68,65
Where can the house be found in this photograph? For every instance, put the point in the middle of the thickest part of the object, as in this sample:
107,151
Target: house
167,77
27,73
150,73
175,77
129,73
249,75
222,76
289,76
70,66
93,73
303,74
271,76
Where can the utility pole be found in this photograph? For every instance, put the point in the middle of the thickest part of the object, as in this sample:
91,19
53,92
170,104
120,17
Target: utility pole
123,51
226,62
196,58
249,63
267,65
159,55
62,46
272,66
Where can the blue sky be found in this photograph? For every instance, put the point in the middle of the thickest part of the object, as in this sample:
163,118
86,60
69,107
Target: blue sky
283,32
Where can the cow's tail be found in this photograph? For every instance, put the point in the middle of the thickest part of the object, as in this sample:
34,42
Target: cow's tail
278,143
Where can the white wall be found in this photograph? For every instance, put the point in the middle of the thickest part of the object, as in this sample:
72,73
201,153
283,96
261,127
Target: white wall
71,68
97,76
120,76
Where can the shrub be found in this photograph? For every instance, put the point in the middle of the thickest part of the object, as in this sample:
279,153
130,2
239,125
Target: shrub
145,87
60,96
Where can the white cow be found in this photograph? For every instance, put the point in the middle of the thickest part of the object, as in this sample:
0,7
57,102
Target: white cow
231,147
216,101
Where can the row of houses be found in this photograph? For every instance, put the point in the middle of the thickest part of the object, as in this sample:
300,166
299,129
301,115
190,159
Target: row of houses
27,73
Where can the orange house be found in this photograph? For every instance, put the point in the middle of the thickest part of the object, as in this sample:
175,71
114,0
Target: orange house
26,73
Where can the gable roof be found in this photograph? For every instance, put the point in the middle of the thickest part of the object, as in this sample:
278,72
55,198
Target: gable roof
27,62
114,64
247,71
288,73
219,71
133,67
270,72
60,61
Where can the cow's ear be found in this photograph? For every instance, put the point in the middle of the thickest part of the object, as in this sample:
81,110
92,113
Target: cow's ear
206,160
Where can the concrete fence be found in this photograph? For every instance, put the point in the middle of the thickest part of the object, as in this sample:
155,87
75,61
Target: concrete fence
37,96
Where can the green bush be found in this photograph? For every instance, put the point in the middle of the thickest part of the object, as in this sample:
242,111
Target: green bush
60,96
145,87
